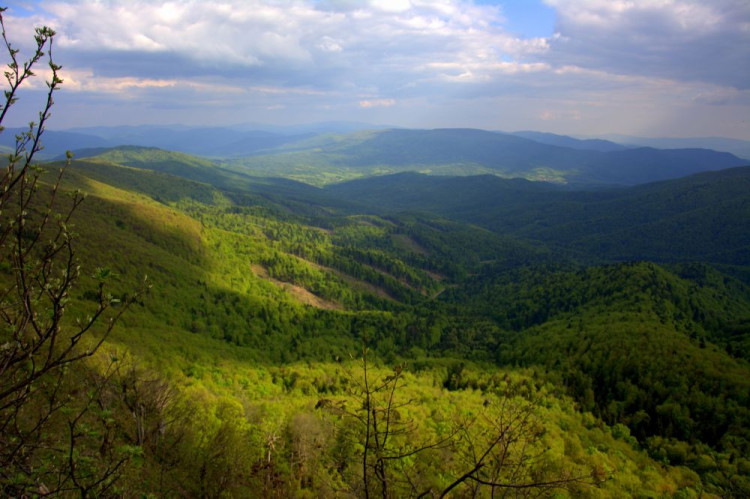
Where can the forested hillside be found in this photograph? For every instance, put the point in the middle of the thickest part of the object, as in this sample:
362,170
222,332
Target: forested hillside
700,217
265,293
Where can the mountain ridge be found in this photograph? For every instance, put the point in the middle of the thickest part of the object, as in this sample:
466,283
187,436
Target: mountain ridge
322,159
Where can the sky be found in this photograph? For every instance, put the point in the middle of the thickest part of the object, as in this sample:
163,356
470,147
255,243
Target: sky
666,68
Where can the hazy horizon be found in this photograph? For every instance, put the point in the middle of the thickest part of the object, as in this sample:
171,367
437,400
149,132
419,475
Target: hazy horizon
358,125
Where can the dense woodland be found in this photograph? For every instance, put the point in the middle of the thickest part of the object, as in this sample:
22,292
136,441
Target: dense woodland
188,329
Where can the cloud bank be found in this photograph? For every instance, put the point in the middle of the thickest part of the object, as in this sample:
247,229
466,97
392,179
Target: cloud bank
611,65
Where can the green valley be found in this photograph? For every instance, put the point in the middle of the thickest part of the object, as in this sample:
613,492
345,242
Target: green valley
265,293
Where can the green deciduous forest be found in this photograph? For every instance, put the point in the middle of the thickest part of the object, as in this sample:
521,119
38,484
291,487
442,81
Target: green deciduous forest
171,326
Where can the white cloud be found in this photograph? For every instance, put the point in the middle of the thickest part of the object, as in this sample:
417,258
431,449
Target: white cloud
557,115
257,33
377,103
328,44
391,5
128,86
348,56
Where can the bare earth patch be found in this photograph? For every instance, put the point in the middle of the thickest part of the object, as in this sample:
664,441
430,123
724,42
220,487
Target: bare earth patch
298,292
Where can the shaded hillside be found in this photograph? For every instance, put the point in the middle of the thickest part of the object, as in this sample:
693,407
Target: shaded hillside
642,165
701,217
445,195
740,148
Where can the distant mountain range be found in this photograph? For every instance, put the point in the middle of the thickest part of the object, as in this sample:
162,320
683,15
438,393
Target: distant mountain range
737,147
608,143
311,156
226,141
565,141
329,158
